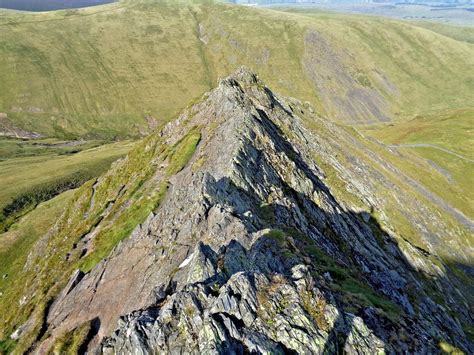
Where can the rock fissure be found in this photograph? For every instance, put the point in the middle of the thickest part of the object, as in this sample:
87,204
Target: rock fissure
251,250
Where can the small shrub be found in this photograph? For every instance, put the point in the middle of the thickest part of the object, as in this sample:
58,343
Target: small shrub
71,342
315,307
447,348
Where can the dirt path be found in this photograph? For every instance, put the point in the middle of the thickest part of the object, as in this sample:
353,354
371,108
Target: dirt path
434,146
434,198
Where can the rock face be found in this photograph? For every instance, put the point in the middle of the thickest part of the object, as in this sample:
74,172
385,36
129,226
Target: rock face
251,252
8,129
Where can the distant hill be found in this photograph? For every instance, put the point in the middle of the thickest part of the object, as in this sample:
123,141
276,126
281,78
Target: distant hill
109,71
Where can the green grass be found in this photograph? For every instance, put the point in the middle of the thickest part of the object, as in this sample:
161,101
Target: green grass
447,348
7,346
130,61
451,130
348,283
16,148
122,226
448,239
142,203
71,342
98,72
400,52
463,34
29,180
132,189
449,175
16,244
182,151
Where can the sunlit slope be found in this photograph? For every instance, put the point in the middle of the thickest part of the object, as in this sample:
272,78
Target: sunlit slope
26,181
113,70
99,71
444,142
360,68
451,131
463,34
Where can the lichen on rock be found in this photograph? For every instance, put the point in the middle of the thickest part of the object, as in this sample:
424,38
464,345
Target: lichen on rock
250,251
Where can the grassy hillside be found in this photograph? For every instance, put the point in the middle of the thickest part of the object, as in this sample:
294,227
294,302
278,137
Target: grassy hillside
108,208
99,71
444,143
114,70
417,70
121,70
16,243
46,171
451,130
463,34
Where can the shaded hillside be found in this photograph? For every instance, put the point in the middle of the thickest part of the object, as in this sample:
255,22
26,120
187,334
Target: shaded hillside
115,70
235,228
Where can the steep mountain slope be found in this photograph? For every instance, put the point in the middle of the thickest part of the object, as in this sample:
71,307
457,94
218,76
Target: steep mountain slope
445,143
116,69
126,68
235,228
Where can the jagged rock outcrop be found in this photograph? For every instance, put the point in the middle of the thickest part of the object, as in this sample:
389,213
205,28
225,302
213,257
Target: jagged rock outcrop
251,251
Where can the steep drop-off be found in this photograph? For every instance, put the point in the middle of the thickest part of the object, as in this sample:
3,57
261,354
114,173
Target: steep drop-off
242,243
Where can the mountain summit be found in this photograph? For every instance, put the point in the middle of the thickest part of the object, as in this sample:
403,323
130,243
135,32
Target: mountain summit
245,248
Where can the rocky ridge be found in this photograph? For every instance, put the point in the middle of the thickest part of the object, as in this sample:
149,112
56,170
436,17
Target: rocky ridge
251,251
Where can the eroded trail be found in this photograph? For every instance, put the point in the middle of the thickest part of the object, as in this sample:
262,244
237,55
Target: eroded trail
428,145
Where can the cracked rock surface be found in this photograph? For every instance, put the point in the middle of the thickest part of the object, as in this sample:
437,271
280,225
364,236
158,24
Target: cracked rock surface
251,252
